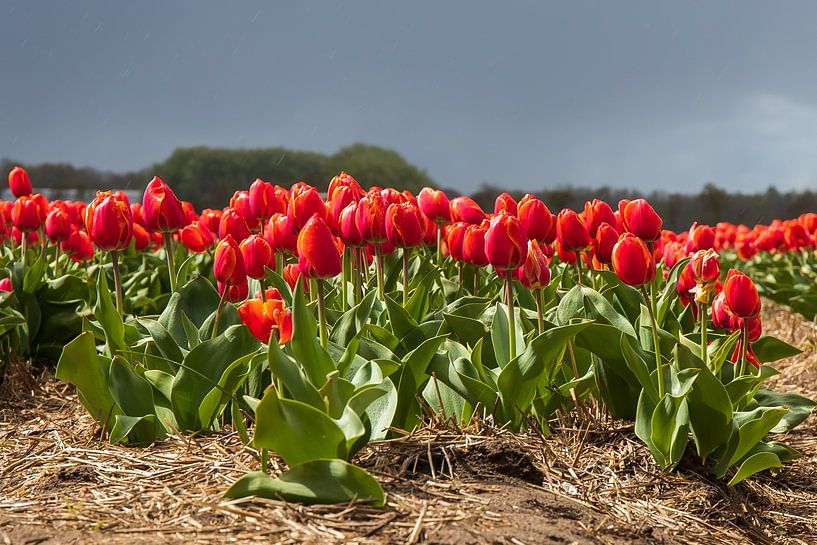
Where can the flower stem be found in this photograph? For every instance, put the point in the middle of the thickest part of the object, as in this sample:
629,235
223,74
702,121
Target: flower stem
117,280
539,313
704,343
649,302
357,273
439,245
744,341
511,317
218,311
405,275
322,313
579,267
24,249
345,278
171,264
378,258
56,260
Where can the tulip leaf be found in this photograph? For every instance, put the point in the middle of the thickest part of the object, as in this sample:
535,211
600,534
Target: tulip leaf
770,349
197,300
305,345
799,408
755,464
313,482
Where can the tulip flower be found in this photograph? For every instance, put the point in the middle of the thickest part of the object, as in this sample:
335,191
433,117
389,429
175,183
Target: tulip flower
467,210
5,285
280,234
196,237
370,218
596,213
141,238
742,300
19,182
25,215
641,219
435,206
292,273
535,275
473,244
164,213
263,201
240,202
58,224
505,204
233,223
318,257
304,202
701,237
506,247
536,219
455,238
257,256
405,229
109,222
265,315
230,273
604,241
210,218
346,181
571,231
78,246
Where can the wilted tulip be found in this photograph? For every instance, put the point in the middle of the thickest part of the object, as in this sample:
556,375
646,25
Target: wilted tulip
19,182
632,261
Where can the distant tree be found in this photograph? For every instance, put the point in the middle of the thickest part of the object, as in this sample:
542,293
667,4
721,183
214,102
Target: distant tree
373,165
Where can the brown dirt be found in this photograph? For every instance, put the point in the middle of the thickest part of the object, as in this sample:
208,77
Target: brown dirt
584,484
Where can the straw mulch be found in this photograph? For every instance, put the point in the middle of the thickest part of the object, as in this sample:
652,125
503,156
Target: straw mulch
589,482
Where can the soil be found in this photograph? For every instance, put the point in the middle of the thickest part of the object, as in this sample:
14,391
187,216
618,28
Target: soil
591,483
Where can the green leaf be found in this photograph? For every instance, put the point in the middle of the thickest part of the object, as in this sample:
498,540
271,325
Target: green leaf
670,428
108,316
136,430
196,300
799,408
293,377
316,481
755,464
640,366
305,345
769,349
164,341
281,425
400,321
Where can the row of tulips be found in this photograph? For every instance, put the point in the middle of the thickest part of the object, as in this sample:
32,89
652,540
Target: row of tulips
373,309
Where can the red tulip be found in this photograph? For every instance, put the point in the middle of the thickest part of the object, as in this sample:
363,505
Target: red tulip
19,182
291,274
163,211
228,263
467,210
58,224
109,222
370,217
632,261
78,246
304,202
263,202
141,238
603,243
742,299
473,244
505,204
261,317
704,266
211,219
240,202
257,255
701,237
506,244
5,285
347,226
196,237
435,205
536,219
596,213
342,197
234,293
686,287
405,227
455,238
641,219
571,231
318,255
280,234
232,223
344,180
535,273
25,215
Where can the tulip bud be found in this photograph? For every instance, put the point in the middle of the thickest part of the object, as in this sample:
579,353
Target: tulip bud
641,219
455,238
467,210
505,204
370,218
291,274
603,243
506,244
304,202
228,263
701,237
632,261
211,219
720,317
25,215
473,244
344,180
19,182
742,299
232,223
109,221
535,273
58,224
596,213
571,231
263,203
318,255
347,226
257,255
280,234
536,219
435,205
405,227
163,211
196,237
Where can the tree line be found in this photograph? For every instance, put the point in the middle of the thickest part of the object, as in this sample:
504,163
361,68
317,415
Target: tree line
208,177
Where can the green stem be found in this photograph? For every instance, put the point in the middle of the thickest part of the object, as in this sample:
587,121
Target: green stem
704,344
744,347
378,258
24,249
344,291
322,313
439,244
649,301
476,281
56,260
221,302
511,317
171,264
117,280
460,277
406,253
539,313
579,267
356,273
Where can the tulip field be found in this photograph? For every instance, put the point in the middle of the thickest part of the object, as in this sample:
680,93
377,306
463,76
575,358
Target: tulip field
317,327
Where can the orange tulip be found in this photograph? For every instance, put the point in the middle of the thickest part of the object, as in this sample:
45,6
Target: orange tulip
263,316
318,255
196,237
304,202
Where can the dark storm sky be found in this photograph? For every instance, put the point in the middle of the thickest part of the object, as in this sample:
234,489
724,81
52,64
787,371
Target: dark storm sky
525,94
